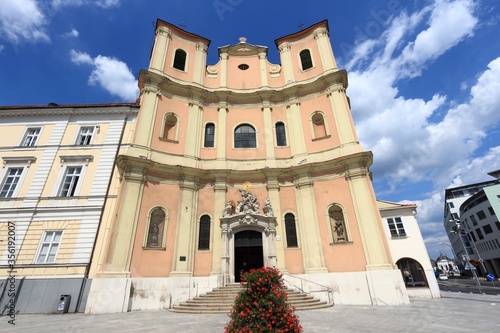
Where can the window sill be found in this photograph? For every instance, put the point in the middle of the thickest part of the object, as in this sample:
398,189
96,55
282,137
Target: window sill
342,243
148,248
322,138
168,140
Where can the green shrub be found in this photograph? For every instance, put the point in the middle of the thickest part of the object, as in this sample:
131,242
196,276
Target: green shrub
262,307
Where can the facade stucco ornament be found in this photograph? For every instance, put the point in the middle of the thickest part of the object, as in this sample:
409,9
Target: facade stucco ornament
275,69
212,69
201,47
248,219
268,209
164,31
335,88
151,89
284,47
320,32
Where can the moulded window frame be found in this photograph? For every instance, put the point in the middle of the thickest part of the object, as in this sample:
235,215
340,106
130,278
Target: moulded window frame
256,135
325,122
285,129
205,133
68,162
95,129
210,240
25,136
176,127
399,235
185,60
163,237
297,231
40,246
302,64
19,162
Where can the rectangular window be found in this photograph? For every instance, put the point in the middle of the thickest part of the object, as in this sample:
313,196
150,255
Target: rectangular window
473,219
85,135
10,182
481,215
487,229
396,227
473,237
31,137
451,205
48,247
497,224
491,210
454,216
479,234
70,182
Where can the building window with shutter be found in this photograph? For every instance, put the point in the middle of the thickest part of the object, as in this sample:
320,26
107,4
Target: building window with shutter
290,230
204,234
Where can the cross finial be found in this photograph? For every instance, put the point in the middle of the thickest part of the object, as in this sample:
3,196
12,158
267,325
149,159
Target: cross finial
182,25
301,25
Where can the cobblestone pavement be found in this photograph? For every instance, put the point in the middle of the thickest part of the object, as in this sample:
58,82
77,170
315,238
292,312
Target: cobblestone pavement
454,312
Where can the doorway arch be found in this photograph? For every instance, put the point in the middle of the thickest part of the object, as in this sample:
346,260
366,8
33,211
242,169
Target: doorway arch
248,252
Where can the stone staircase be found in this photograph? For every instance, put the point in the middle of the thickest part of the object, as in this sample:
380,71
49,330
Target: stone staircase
221,300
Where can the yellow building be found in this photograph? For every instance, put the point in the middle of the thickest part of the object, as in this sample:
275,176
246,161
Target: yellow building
57,165
240,164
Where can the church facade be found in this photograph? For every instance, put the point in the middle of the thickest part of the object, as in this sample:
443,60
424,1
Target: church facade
238,165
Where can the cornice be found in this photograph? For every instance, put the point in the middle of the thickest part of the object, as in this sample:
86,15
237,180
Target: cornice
333,80
37,111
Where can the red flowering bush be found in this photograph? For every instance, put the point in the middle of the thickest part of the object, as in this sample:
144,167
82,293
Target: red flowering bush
261,307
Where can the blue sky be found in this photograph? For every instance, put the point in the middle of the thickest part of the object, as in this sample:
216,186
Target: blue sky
424,76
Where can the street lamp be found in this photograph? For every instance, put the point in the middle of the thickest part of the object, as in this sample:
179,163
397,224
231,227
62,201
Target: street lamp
456,229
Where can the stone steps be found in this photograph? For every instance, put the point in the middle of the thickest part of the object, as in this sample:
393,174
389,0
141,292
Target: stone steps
221,300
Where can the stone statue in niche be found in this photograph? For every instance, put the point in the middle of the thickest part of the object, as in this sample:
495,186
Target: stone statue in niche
228,211
339,229
153,235
268,209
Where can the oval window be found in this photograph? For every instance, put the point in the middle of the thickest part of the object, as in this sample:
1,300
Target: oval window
243,67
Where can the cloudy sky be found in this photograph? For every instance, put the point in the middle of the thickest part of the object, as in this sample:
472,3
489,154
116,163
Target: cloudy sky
424,76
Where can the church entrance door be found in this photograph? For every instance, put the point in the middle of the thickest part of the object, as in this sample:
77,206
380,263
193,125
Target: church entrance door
248,253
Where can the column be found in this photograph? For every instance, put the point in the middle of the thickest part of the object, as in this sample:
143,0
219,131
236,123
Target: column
273,191
263,69
297,142
343,120
367,216
186,227
312,251
200,62
194,128
162,41
120,251
325,48
220,189
268,134
286,61
222,134
223,69
147,115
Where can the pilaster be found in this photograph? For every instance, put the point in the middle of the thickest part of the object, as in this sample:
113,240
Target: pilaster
263,70
221,131
162,41
312,251
367,215
286,62
149,105
325,48
122,244
223,69
220,188
200,62
194,128
273,191
268,133
186,227
297,141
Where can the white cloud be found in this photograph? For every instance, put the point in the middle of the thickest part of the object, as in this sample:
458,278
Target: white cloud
110,73
102,3
22,20
1,48
71,34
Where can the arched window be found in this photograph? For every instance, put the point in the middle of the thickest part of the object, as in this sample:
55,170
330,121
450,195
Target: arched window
204,235
290,230
244,137
318,123
209,135
180,59
155,228
337,224
412,271
305,59
170,127
280,134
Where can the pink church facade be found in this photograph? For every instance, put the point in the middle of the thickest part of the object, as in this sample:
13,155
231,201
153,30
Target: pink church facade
237,165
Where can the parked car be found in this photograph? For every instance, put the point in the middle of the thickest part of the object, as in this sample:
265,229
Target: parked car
443,277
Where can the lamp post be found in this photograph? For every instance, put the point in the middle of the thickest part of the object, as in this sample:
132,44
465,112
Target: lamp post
456,229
